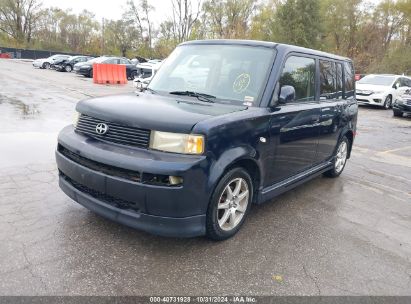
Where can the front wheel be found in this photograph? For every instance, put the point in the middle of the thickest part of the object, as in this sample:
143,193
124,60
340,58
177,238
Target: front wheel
46,65
229,205
340,158
388,102
133,75
68,68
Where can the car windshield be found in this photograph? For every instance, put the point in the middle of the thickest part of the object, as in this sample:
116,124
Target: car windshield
233,74
377,80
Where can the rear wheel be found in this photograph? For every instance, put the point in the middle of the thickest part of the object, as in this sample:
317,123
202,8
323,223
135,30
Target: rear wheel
133,75
340,158
388,102
68,68
229,205
397,113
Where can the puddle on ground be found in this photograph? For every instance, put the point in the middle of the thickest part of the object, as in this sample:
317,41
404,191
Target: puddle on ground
26,111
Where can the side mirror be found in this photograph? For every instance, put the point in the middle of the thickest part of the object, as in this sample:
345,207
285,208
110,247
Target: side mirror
397,85
287,94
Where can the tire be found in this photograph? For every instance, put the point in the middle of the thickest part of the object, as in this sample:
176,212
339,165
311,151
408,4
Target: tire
133,75
90,75
397,113
46,65
388,102
340,158
226,215
68,68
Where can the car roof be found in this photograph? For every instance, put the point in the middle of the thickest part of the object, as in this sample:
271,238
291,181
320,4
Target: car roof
391,75
279,46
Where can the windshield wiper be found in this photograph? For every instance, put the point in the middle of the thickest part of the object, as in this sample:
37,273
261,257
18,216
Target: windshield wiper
200,96
151,91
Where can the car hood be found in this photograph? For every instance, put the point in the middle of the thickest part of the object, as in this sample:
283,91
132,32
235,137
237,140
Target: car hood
371,87
154,112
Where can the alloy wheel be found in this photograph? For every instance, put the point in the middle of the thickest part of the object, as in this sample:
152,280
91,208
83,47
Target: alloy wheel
341,156
233,204
68,68
387,103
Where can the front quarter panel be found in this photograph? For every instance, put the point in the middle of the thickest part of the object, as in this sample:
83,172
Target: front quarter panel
234,137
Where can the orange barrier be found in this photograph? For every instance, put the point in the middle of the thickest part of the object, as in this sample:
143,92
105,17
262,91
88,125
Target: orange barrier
109,73
5,55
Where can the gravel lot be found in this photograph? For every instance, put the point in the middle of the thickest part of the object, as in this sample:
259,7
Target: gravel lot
345,236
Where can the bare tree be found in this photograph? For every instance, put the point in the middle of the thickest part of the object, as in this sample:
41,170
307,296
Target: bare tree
18,18
139,14
184,18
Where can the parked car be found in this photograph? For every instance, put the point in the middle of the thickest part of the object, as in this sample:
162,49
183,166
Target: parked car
137,60
66,65
182,161
145,72
86,69
380,90
402,104
359,76
45,63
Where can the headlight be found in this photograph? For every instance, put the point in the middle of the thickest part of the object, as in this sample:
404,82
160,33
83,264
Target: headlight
400,100
177,142
76,119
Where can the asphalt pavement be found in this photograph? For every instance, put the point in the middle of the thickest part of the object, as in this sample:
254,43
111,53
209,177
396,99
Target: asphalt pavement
344,236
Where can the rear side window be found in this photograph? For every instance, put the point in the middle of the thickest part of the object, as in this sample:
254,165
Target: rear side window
349,84
339,80
299,72
327,80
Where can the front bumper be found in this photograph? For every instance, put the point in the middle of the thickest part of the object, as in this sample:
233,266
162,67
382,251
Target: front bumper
37,64
58,67
162,210
84,72
405,108
163,226
374,99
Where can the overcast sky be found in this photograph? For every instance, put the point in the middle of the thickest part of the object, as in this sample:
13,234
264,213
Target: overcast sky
114,10
109,9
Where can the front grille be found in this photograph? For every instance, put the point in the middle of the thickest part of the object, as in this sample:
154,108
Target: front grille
112,201
134,176
116,133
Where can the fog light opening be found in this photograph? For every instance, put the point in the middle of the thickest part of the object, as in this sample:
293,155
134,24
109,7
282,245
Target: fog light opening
175,180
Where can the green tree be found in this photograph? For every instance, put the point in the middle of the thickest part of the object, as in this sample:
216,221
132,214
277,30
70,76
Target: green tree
299,23
18,19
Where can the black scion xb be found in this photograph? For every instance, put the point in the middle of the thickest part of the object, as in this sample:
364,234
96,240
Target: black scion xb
224,124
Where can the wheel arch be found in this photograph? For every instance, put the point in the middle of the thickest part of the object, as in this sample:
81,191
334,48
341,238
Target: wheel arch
350,136
244,157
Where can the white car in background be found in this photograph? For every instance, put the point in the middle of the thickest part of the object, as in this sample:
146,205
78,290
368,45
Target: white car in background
45,63
380,90
145,72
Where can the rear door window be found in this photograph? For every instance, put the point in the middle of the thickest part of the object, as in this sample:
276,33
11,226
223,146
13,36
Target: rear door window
349,84
328,80
299,72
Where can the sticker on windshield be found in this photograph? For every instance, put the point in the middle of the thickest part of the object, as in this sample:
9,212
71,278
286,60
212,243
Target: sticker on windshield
241,83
